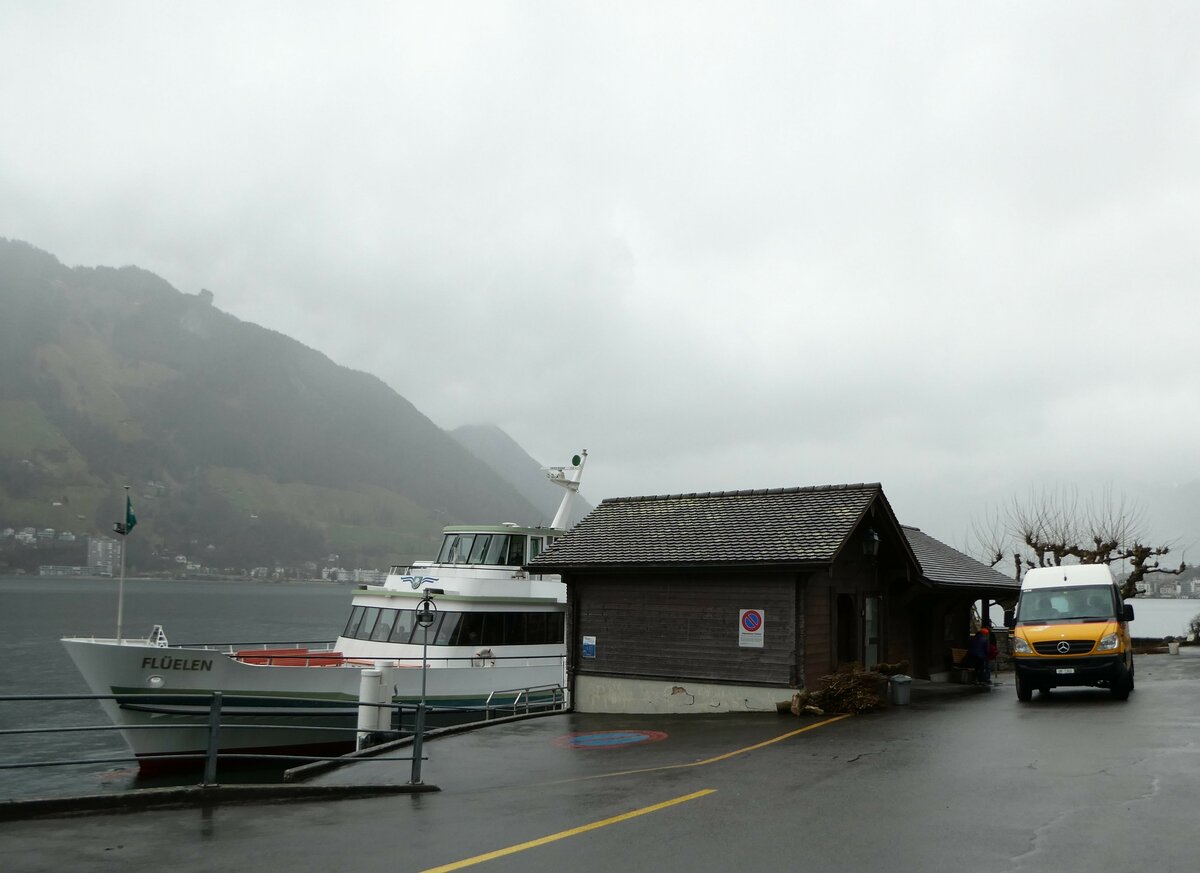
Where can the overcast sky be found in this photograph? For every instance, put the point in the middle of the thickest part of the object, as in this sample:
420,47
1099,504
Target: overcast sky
949,247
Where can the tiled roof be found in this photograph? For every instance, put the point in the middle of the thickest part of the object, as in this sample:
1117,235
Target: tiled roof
945,567
780,525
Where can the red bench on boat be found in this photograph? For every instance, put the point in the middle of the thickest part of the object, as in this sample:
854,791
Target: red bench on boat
290,657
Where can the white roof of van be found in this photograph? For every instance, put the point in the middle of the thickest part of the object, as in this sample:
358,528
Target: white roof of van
1066,576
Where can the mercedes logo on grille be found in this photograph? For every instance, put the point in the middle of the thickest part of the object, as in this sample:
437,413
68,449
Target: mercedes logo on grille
1063,647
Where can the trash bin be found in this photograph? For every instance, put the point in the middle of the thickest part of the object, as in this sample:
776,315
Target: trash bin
900,690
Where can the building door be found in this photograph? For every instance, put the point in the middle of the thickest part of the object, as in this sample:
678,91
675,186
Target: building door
847,619
871,624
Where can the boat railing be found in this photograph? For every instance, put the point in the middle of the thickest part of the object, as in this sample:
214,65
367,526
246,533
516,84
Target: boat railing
234,648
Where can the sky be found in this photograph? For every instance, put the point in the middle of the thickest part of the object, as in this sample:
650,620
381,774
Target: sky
947,247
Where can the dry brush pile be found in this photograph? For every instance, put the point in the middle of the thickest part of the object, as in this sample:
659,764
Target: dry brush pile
851,690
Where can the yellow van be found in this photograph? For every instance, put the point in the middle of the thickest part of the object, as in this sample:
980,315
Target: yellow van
1071,627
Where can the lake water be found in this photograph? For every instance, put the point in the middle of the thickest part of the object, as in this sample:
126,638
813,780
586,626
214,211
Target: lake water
36,612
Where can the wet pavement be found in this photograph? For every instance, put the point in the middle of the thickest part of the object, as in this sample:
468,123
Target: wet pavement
962,778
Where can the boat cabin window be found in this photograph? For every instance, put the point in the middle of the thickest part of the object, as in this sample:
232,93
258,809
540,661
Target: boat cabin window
383,627
447,630
516,551
406,620
535,547
496,550
368,623
500,550
457,628
356,615
482,541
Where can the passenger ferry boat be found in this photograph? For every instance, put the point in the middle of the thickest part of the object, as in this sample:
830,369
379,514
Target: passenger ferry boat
496,641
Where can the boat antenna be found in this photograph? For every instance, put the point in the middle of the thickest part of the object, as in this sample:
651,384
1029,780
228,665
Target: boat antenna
568,478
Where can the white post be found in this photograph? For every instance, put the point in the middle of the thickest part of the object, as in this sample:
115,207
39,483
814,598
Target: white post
369,691
387,681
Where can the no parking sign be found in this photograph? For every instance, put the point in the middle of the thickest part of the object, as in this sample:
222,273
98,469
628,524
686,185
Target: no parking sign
750,628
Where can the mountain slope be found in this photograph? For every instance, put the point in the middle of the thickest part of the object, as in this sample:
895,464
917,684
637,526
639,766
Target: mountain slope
241,444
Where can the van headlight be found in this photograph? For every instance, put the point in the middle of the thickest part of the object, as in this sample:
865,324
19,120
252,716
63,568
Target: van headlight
1108,642
1020,647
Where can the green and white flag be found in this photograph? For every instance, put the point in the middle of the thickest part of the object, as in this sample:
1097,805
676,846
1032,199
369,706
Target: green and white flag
123,528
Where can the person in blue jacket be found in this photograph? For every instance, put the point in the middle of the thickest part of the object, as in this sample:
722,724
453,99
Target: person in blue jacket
979,655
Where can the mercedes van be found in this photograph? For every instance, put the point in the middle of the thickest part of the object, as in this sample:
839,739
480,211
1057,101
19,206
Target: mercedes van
1071,627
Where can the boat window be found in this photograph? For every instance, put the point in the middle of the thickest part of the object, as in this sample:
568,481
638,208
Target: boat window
513,628
448,629
516,551
356,615
496,549
535,628
383,627
555,622
368,623
406,620
448,543
419,636
494,629
463,549
479,549
470,630
535,547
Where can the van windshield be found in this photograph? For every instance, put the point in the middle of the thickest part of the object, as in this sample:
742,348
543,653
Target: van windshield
1078,603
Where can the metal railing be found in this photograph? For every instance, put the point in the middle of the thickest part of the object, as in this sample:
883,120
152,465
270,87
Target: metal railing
211,716
556,693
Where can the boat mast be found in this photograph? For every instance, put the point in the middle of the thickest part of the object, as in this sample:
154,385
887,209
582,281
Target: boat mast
568,478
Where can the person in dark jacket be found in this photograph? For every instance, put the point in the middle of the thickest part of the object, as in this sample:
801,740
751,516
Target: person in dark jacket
979,655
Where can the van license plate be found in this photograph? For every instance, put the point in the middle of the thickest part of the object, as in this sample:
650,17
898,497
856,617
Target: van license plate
1065,671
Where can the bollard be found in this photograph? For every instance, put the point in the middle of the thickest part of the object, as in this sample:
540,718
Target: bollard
387,683
370,695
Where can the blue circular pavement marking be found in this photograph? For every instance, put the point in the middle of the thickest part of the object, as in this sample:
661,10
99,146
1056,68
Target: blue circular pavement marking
608,739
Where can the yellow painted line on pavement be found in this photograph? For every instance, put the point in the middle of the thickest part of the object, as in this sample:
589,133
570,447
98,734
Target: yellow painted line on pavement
711,760
562,835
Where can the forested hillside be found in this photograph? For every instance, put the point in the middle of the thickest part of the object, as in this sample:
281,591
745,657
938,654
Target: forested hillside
241,445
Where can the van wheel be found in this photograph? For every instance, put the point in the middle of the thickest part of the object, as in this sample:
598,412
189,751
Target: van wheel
1121,687
1024,692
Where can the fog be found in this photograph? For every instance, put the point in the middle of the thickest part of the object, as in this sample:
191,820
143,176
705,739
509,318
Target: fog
951,248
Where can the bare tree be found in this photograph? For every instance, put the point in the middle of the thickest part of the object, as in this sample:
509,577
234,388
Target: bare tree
1056,525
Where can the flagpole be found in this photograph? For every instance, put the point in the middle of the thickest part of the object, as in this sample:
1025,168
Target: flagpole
121,584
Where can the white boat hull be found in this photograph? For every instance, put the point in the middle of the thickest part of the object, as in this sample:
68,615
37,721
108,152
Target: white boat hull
274,709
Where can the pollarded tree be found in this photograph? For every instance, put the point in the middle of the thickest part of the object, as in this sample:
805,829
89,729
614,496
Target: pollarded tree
1056,526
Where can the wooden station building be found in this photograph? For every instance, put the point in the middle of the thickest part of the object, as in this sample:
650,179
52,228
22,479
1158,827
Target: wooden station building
730,601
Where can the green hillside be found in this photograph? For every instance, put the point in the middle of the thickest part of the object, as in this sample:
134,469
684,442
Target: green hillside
242,446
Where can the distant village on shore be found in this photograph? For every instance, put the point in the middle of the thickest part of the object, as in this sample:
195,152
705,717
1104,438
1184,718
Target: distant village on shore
20,549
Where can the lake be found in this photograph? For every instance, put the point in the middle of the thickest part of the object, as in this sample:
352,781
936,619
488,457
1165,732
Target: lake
37,611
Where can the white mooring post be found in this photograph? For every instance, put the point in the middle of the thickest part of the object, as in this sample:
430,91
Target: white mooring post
370,695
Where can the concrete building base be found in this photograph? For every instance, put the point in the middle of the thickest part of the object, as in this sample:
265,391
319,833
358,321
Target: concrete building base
613,694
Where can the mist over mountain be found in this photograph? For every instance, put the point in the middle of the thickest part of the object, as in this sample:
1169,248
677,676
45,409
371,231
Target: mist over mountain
498,450
242,446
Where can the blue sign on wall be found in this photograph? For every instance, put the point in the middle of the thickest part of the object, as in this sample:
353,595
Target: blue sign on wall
589,647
